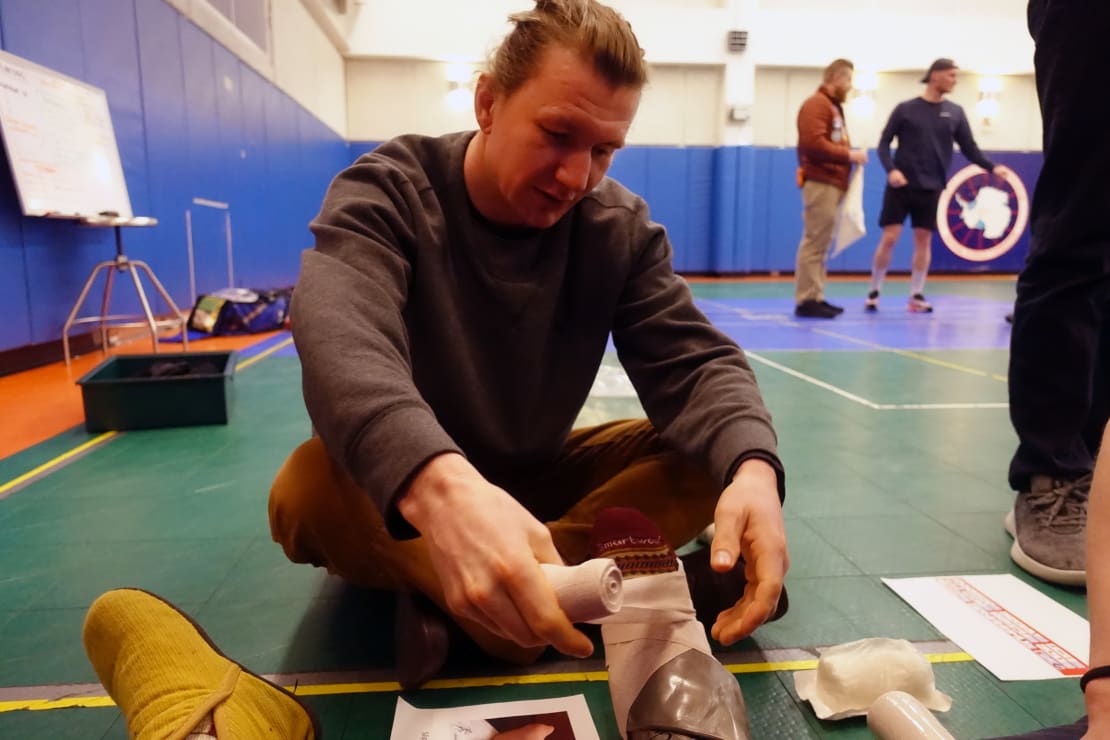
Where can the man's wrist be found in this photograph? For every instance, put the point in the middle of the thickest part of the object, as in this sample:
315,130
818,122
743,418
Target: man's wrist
430,484
756,466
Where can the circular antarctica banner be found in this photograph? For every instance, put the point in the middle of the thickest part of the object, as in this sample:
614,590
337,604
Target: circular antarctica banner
980,216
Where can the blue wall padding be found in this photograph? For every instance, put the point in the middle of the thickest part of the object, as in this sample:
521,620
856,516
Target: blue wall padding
193,121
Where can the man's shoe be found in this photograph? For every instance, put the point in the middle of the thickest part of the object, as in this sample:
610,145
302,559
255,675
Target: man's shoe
814,310
871,305
713,592
835,309
420,633
1049,527
168,678
918,304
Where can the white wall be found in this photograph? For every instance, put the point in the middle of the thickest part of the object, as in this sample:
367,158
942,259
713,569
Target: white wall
307,65
379,69
779,93
302,60
681,105
988,36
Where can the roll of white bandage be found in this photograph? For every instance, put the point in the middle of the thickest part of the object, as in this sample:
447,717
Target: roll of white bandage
589,591
897,715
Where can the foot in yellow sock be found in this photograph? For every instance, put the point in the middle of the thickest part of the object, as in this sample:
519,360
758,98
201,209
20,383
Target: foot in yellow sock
167,677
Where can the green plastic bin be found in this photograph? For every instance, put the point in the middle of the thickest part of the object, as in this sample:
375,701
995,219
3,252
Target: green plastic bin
132,391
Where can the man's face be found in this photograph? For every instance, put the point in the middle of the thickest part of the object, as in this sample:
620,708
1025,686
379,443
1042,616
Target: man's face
551,141
842,85
945,80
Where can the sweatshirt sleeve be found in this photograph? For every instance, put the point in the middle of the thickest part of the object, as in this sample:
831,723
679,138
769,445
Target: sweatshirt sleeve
814,133
968,147
695,383
889,132
351,338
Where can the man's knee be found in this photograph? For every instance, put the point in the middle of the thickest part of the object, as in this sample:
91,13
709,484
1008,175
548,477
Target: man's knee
302,499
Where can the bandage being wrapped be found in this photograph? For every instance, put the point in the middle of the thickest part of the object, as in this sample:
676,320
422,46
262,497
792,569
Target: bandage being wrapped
662,674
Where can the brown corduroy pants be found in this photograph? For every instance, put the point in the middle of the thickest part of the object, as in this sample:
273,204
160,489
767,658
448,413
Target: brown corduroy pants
319,515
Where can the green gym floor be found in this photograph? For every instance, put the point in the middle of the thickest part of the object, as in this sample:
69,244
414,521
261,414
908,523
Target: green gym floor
893,428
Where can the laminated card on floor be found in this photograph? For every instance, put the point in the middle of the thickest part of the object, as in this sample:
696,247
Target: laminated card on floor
1015,631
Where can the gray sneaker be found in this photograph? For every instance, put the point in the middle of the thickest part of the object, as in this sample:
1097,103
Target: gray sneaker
1049,525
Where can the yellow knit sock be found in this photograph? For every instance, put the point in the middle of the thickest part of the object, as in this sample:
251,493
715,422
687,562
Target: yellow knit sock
166,676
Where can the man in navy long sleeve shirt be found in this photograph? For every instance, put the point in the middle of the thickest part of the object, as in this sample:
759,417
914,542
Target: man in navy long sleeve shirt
925,128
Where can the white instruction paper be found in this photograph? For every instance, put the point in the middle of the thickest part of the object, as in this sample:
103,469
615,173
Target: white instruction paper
569,715
1015,631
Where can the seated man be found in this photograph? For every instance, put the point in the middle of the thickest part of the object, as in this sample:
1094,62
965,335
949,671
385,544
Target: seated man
450,322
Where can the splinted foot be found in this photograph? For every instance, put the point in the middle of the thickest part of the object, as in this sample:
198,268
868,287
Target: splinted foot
662,674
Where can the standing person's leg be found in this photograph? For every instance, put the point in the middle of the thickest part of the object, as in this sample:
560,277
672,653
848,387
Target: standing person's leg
919,270
820,202
880,263
1062,294
893,213
923,218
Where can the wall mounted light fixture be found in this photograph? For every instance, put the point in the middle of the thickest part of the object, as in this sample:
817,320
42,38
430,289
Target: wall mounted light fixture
990,90
862,98
460,90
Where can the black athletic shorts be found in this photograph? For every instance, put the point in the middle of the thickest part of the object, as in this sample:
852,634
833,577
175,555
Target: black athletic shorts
919,205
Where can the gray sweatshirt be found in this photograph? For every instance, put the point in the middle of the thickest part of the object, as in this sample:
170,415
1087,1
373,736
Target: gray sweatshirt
423,328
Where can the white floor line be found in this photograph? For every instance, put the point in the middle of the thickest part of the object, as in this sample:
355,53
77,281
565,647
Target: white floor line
871,404
785,321
814,381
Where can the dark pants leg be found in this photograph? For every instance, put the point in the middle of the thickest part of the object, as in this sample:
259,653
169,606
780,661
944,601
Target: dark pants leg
1057,355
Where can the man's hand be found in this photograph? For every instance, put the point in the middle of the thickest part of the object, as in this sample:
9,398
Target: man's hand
896,179
1001,170
858,156
486,549
748,523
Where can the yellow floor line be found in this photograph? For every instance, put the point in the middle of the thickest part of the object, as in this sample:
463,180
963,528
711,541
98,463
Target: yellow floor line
55,462
382,687
251,360
49,465
912,355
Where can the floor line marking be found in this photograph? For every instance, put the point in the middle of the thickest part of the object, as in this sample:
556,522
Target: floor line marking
871,404
814,381
55,463
92,695
265,353
910,354
785,320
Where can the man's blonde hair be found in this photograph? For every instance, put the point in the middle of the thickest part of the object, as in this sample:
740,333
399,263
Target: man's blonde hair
836,68
596,31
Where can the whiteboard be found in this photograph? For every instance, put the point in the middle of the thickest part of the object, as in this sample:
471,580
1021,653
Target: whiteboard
58,135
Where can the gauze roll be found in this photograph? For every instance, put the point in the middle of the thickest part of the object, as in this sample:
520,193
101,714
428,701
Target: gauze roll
589,591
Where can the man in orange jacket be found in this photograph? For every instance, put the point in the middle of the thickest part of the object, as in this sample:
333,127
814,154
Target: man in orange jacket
825,160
